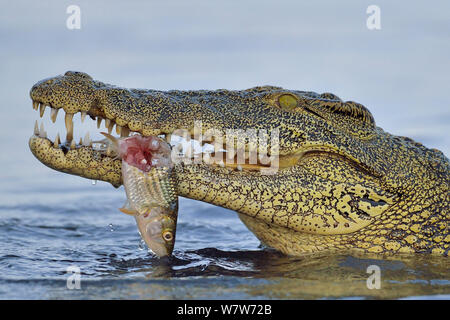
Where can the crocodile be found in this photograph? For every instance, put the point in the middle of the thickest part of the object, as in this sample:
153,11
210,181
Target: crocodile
340,182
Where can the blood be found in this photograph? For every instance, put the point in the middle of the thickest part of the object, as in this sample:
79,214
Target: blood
138,151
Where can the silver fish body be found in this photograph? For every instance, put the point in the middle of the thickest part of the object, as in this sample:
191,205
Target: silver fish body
146,190
154,203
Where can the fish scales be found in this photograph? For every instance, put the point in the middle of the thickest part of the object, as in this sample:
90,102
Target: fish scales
148,189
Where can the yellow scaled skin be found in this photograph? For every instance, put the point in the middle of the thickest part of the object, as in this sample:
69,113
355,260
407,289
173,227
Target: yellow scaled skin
352,186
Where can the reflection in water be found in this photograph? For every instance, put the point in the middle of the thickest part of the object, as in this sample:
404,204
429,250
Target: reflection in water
308,277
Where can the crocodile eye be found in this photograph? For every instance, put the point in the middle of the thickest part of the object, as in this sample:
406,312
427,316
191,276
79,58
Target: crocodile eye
287,101
167,235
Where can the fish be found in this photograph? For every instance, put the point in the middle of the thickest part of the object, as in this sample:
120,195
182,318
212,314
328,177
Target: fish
152,200
149,182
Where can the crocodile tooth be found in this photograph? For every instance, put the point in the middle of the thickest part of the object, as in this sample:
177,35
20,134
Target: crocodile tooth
125,132
168,137
69,126
83,116
42,109
81,141
42,132
56,143
118,129
87,140
36,128
99,122
73,145
239,167
110,127
221,164
54,114
35,105
107,123
207,157
109,150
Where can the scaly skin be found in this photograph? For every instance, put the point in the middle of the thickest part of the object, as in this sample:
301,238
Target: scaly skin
344,184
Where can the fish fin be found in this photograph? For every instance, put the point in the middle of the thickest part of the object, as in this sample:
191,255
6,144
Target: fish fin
127,208
124,210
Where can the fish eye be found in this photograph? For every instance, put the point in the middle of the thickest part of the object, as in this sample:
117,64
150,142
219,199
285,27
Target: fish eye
167,235
287,101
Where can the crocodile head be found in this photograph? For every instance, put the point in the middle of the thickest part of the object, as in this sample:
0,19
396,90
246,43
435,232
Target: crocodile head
306,172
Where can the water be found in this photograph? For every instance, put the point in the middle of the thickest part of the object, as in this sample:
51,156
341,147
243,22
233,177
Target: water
50,221
40,241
